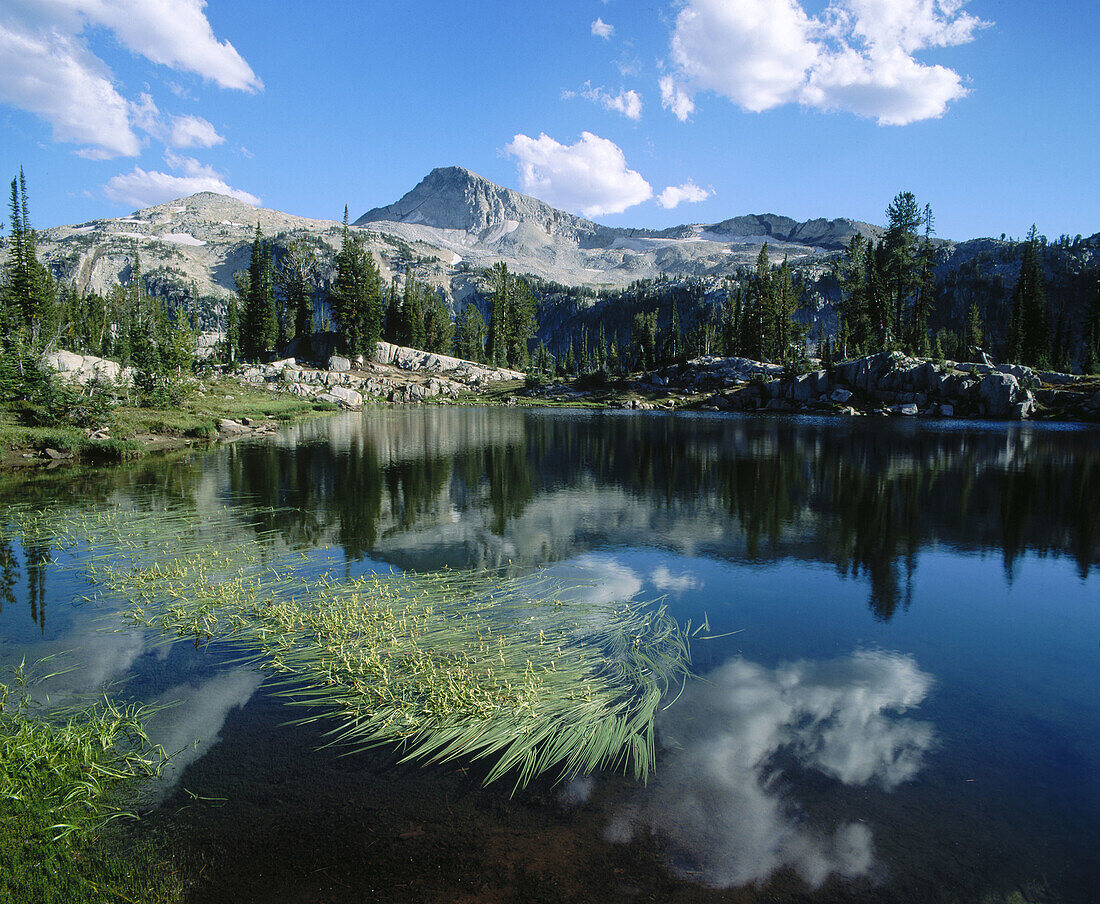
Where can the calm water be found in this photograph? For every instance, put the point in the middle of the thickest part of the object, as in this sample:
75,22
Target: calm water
906,708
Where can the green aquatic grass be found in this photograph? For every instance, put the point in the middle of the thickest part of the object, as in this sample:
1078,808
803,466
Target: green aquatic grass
446,665
65,778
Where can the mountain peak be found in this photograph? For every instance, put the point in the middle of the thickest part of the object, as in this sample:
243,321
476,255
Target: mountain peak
453,197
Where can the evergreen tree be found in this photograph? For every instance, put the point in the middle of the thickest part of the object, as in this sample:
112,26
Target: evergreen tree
439,329
521,323
393,328
645,339
356,295
470,335
902,259
498,312
731,320
974,330
259,324
28,295
412,314
1029,327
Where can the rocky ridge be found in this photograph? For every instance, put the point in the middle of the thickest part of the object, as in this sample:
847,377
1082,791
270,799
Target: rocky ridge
451,221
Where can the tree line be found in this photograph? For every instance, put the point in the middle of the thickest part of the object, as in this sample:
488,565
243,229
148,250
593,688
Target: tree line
275,303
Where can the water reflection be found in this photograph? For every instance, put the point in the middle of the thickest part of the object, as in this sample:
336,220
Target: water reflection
430,488
719,801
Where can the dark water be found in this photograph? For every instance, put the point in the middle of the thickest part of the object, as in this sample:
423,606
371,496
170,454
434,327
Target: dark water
908,710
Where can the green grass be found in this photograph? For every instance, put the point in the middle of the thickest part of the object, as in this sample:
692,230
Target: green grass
65,778
195,419
448,665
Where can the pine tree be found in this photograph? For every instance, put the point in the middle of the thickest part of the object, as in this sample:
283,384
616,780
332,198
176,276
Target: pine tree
974,331
902,260
1029,327
495,347
28,295
439,329
259,325
470,335
731,320
356,295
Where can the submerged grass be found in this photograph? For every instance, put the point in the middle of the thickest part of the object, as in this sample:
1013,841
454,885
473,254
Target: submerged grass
447,665
65,777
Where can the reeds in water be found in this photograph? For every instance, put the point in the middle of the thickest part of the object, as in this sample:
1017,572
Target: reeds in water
446,665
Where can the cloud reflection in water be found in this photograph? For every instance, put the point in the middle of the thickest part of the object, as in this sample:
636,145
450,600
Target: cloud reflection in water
717,800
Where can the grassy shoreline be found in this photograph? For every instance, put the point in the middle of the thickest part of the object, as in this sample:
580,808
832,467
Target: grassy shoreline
135,432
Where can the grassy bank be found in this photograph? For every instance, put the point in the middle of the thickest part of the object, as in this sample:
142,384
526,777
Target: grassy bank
134,431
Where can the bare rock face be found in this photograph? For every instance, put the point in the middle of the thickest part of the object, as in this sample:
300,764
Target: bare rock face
454,198
85,369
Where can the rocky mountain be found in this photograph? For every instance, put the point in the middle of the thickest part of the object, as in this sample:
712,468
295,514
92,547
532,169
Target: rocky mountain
455,222
480,222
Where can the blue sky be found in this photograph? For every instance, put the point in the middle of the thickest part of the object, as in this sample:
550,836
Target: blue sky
640,114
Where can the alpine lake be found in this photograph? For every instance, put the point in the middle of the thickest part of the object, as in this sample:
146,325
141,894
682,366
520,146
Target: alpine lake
893,625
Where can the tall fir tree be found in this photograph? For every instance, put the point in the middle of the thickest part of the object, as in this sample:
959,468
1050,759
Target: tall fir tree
1029,327
356,294
28,294
470,334
259,324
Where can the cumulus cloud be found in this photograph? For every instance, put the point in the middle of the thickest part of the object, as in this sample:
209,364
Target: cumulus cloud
141,188
56,78
590,176
595,579
629,103
192,132
675,195
675,99
717,801
602,30
47,68
856,56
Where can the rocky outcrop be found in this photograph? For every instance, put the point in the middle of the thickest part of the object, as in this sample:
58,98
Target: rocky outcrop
467,372
88,369
889,382
398,374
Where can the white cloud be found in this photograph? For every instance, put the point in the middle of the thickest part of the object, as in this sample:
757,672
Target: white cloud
662,578
187,131
856,56
675,195
602,30
718,803
140,188
590,176
629,103
53,76
193,132
47,68
174,33
675,99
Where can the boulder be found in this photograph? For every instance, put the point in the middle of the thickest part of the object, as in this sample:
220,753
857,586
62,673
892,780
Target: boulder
229,427
339,364
342,396
999,394
840,396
